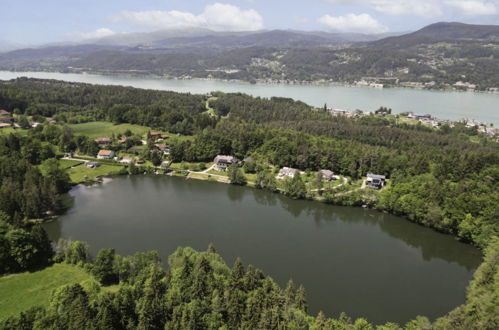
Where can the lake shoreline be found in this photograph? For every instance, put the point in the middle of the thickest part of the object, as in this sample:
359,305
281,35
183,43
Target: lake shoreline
260,81
450,105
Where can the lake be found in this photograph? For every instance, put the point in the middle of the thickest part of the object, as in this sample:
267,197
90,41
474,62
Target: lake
441,104
355,260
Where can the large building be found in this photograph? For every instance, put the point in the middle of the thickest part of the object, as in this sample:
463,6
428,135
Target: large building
222,162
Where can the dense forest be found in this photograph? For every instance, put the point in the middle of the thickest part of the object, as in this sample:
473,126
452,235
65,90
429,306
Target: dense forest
439,178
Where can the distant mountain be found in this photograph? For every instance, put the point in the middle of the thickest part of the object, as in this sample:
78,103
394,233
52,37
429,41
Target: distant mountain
440,32
207,39
438,55
6,46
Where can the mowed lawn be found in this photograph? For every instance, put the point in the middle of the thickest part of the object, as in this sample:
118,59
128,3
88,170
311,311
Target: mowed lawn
78,173
96,129
19,292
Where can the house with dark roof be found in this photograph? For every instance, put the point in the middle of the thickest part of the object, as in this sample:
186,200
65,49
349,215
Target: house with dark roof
103,141
223,162
327,175
375,181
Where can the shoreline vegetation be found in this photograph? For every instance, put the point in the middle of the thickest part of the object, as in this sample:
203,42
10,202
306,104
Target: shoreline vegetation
445,179
320,82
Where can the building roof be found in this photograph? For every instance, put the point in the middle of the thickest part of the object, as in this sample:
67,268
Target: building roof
155,133
162,146
288,171
326,173
103,139
4,113
376,176
225,159
3,125
105,153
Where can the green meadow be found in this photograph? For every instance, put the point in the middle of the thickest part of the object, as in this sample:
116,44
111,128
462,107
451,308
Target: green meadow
20,292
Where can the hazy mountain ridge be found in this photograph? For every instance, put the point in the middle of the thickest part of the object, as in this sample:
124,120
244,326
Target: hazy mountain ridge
439,54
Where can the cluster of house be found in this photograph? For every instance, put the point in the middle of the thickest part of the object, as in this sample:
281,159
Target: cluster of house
5,119
160,145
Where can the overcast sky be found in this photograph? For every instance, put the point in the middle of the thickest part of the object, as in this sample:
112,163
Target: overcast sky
42,21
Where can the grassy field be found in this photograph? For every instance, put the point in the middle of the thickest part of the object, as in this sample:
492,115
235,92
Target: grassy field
98,129
78,173
20,292
67,163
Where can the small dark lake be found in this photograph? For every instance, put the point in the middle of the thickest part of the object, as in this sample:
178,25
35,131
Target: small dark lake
354,260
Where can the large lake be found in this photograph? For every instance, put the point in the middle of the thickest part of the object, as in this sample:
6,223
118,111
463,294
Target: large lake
445,105
359,261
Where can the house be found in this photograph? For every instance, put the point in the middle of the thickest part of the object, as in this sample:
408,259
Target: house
93,164
287,172
327,175
375,181
105,154
6,119
4,113
4,125
103,141
163,147
126,160
222,162
155,135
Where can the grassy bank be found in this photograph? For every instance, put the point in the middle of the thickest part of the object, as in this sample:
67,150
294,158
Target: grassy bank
20,292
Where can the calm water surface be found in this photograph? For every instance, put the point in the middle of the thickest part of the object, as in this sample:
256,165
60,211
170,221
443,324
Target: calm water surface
444,105
359,261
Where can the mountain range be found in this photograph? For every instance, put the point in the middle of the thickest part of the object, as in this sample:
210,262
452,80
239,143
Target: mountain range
436,55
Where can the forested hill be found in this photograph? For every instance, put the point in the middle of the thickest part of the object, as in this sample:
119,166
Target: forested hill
441,32
440,54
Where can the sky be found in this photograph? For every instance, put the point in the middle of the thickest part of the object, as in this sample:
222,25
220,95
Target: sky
34,22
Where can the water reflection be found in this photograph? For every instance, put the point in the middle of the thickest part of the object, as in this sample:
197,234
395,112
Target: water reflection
431,246
355,260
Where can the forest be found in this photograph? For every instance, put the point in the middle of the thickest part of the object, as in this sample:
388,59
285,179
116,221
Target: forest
441,178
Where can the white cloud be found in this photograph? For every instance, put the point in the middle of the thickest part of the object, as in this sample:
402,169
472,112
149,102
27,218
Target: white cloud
353,23
99,33
425,8
217,16
472,7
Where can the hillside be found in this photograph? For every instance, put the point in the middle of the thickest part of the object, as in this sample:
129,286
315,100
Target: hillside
437,56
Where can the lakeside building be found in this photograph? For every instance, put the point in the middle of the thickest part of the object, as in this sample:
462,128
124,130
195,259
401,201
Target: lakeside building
328,175
375,181
287,172
222,162
105,154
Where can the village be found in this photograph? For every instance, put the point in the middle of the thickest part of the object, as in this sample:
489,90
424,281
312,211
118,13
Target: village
421,119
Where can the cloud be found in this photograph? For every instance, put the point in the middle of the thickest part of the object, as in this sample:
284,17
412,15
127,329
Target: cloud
363,23
99,33
425,8
217,16
472,7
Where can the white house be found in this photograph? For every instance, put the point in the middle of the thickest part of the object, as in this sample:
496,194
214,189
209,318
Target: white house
222,162
105,154
287,172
